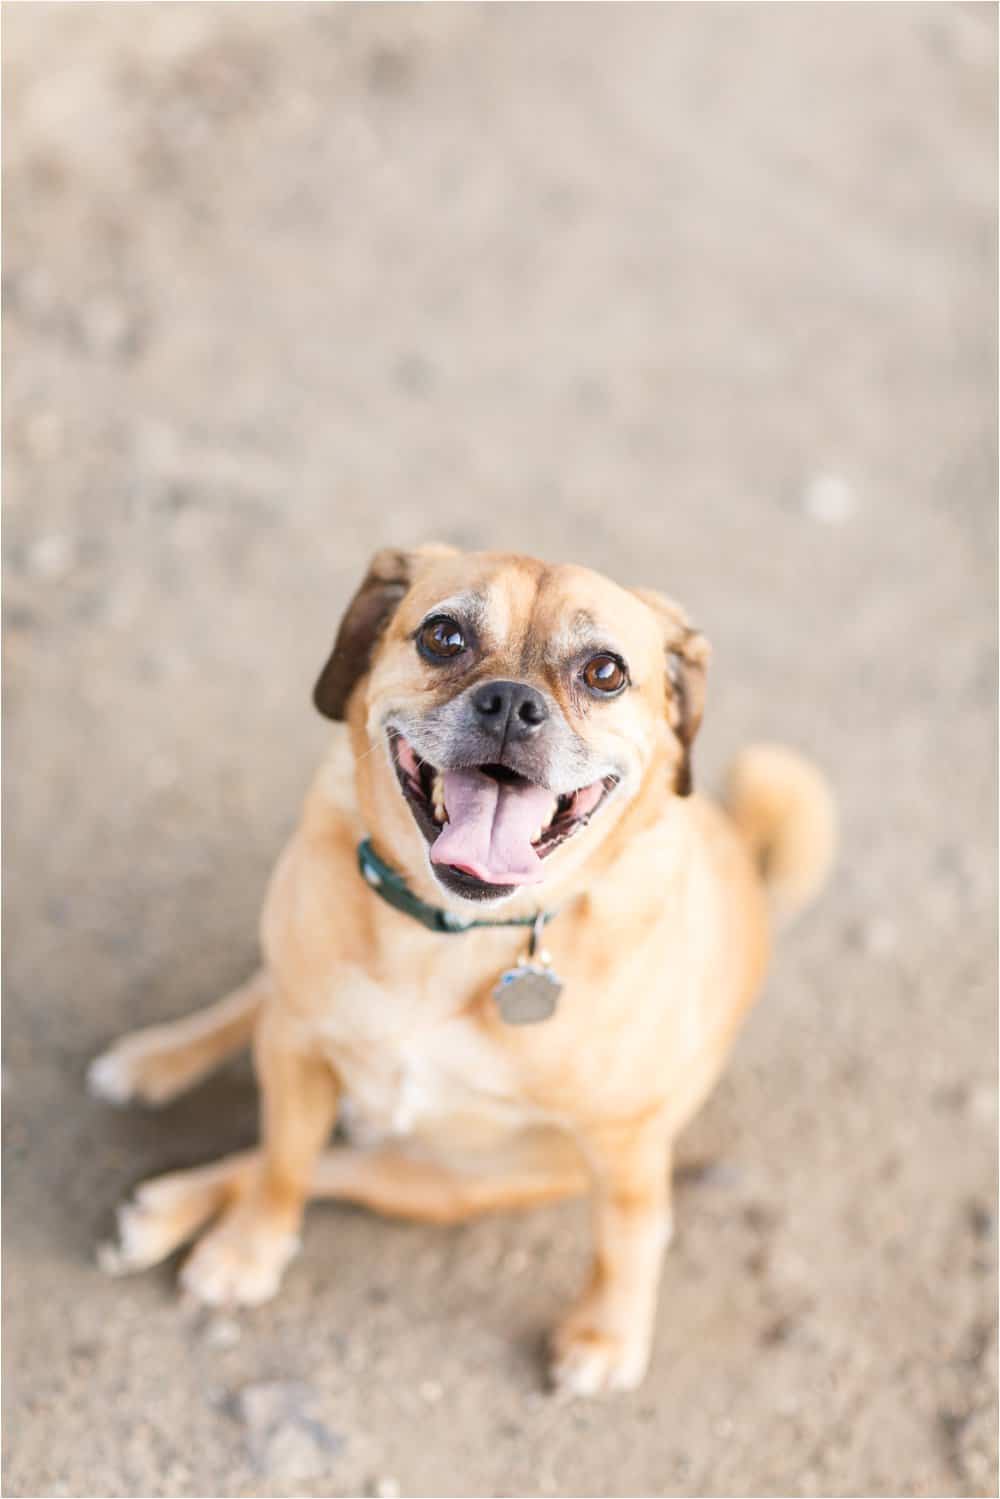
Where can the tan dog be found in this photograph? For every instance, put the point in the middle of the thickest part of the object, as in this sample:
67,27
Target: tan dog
518,743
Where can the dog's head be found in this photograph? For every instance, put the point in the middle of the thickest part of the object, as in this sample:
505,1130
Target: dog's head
521,707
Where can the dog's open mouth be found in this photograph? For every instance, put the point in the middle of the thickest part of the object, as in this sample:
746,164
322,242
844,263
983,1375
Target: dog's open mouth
488,827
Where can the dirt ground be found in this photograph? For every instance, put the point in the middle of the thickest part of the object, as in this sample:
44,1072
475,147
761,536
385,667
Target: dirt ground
702,296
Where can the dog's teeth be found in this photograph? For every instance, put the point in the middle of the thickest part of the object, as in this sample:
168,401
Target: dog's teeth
547,823
437,798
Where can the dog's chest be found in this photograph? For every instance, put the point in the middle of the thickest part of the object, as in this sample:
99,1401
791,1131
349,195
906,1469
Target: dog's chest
409,1060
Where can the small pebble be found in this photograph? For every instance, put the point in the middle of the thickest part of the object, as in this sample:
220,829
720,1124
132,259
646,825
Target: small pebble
223,1332
384,1488
983,1104
980,1218
879,937
284,1436
829,499
431,1391
52,556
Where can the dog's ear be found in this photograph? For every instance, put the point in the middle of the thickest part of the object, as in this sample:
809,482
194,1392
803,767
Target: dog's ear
387,581
687,655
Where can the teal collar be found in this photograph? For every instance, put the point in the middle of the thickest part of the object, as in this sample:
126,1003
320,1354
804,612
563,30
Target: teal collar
392,887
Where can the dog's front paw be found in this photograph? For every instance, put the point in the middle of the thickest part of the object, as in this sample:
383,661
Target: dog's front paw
146,1234
241,1262
592,1358
168,1211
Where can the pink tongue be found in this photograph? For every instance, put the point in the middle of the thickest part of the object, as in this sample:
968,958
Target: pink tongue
490,828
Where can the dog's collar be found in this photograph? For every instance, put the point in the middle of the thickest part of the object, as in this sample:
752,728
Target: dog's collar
392,887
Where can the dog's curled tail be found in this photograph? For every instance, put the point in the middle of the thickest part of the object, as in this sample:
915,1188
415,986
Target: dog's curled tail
784,808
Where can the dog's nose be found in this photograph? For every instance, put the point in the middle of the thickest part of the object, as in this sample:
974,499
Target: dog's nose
510,710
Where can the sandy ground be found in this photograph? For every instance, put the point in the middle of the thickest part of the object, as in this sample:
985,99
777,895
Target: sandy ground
701,296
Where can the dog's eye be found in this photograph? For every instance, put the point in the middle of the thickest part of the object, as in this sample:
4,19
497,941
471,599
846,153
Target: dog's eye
605,674
440,639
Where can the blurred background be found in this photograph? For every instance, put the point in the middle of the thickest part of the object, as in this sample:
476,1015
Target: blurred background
703,296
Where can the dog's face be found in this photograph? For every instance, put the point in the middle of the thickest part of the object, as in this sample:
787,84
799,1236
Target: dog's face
518,704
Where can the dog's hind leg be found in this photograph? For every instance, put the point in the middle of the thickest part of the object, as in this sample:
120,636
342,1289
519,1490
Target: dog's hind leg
529,1169
156,1064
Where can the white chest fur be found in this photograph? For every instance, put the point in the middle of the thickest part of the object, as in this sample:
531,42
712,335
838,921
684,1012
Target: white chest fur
411,1061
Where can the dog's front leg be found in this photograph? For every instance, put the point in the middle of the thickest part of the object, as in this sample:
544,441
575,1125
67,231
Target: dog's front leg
604,1343
243,1258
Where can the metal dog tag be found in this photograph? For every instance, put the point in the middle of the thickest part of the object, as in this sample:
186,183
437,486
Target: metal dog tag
529,992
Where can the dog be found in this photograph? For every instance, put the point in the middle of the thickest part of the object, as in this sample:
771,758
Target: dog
528,980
